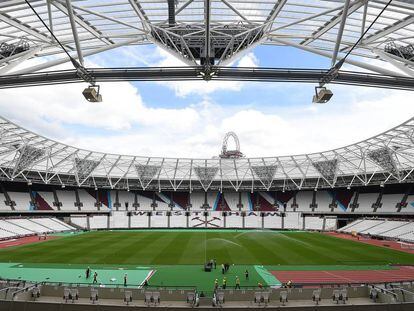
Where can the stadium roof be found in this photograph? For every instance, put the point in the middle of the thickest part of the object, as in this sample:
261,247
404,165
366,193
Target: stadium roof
383,159
201,32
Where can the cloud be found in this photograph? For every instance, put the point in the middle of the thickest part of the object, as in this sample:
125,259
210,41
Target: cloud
125,123
122,107
202,88
197,131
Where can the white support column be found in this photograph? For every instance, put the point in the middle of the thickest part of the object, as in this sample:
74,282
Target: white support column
207,10
49,15
275,12
334,21
397,63
66,59
340,32
364,18
327,54
23,57
231,7
23,27
140,13
74,31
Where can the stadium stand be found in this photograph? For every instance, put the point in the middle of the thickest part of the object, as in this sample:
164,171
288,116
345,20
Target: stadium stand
402,230
22,200
212,219
67,198
18,227
367,200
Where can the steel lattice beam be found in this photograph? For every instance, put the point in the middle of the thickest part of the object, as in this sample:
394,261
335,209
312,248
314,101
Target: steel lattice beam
196,73
230,28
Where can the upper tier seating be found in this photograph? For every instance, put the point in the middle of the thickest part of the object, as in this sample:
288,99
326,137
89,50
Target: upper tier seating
68,199
88,201
22,200
343,200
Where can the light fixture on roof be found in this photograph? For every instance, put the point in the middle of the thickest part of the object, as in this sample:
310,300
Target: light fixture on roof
91,94
322,95
63,186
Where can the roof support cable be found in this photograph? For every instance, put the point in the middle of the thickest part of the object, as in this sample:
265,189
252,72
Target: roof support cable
81,71
322,95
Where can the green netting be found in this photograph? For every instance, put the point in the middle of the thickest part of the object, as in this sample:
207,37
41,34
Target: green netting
268,277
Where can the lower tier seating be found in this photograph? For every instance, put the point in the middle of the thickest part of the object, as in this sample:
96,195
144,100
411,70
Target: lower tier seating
213,219
19,227
394,229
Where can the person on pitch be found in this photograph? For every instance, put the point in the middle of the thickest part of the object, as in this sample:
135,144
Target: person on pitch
224,283
237,282
246,274
125,279
88,273
215,284
95,277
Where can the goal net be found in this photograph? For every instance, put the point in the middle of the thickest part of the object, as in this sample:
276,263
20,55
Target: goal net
406,245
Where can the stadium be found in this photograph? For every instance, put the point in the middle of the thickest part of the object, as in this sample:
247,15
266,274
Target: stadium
86,229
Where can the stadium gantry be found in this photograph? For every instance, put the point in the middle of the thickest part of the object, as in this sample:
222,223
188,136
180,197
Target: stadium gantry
208,35
386,158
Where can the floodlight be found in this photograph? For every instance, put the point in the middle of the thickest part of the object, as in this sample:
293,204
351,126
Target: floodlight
322,95
91,94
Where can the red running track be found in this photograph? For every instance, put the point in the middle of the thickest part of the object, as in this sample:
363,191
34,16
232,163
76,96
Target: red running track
384,243
401,273
24,240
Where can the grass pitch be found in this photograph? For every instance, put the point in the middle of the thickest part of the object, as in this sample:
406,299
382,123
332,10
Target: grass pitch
175,257
180,247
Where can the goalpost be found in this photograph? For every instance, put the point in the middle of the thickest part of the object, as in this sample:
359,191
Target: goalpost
42,236
406,245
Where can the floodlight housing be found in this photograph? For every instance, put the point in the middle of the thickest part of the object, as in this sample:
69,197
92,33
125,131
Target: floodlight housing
322,95
91,94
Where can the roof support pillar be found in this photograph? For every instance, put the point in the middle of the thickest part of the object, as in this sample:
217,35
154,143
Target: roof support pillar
340,32
207,45
74,31
364,65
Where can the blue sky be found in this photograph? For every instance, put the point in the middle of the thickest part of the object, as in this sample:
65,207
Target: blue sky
267,56
190,118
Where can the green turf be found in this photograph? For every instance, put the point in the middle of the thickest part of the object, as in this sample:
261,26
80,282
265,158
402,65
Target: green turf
177,256
73,274
193,275
192,248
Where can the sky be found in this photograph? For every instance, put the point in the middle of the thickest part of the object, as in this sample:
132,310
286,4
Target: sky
190,119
